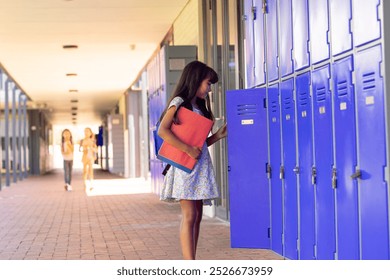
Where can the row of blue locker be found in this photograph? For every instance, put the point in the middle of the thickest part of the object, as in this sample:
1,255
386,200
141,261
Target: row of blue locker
308,163
284,36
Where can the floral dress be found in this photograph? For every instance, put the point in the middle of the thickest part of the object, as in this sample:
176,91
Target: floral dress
200,184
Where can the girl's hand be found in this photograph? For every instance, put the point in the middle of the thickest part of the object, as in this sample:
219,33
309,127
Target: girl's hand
221,132
194,152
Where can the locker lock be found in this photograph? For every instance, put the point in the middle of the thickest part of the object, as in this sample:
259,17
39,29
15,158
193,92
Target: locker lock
334,178
269,171
357,174
281,173
296,169
314,175
264,7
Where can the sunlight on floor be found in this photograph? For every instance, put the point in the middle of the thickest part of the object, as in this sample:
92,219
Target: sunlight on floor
119,186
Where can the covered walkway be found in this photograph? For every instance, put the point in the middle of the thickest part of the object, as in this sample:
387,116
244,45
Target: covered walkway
118,220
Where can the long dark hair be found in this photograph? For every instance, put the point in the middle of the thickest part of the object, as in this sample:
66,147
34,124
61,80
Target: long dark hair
194,73
63,139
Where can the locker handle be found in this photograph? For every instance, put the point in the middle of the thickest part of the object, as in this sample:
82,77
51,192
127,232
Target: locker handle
314,175
296,169
334,178
269,171
265,7
281,173
357,174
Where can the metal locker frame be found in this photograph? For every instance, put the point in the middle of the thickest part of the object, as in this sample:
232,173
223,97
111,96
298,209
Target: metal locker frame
300,34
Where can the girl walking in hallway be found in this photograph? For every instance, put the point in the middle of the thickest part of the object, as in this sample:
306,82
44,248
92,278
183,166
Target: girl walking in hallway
67,149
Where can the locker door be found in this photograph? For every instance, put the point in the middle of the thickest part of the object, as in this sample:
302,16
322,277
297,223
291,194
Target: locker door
368,26
286,41
272,41
345,150
247,158
300,33
258,32
372,155
323,153
249,45
305,163
275,164
319,30
341,17
289,160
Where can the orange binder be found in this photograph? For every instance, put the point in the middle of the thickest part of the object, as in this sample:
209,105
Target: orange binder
193,130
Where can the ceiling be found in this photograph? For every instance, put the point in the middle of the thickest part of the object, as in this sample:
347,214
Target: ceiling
115,39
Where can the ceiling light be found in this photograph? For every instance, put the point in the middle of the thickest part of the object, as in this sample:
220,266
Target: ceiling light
69,47
74,101
71,74
74,108
73,90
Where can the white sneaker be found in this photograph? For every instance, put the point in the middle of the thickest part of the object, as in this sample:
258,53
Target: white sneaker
69,188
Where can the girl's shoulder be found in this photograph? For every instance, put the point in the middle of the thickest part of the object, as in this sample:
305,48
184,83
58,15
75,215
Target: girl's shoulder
177,101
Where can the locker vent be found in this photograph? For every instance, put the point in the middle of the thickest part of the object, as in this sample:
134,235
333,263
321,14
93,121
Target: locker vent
287,102
368,81
274,106
342,89
321,94
303,98
246,109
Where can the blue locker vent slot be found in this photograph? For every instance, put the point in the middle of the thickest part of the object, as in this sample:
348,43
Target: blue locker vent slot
342,89
274,106
287,103
303,98
321,94
247,109
368,81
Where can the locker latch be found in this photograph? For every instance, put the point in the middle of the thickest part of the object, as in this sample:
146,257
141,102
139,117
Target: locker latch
269,170
357,174
314,175
265,7
254,13
334,178
281,173
296,169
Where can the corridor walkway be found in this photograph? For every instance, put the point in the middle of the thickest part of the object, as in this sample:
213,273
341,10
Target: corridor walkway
118,220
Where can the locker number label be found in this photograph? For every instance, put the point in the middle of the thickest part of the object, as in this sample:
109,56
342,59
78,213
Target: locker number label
322,109
343,106
247,122
369,100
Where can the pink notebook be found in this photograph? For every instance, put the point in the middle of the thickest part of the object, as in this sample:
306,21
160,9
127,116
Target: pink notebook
193,130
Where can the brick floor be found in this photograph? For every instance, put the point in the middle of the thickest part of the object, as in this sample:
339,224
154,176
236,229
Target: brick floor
118,220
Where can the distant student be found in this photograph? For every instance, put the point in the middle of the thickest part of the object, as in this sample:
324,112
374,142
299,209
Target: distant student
67,149
88,148
198,187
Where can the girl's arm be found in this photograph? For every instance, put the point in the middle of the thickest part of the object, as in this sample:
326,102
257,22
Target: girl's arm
221,133
166,134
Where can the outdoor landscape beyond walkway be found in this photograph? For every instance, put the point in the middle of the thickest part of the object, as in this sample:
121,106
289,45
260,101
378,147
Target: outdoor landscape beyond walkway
118,220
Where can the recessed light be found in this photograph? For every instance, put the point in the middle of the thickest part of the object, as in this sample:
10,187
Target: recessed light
71,74
73,90
74,101
74,108
68,47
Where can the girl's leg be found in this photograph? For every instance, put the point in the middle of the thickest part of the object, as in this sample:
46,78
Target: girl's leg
70,171
187,228
199,215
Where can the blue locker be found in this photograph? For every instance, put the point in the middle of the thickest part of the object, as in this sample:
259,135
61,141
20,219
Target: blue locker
300,13
341,17
258,31
286,38
319,30
372,154
247,159
290,206
275,155
272,42
304,168
347,215
367,24
322,174
249,45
